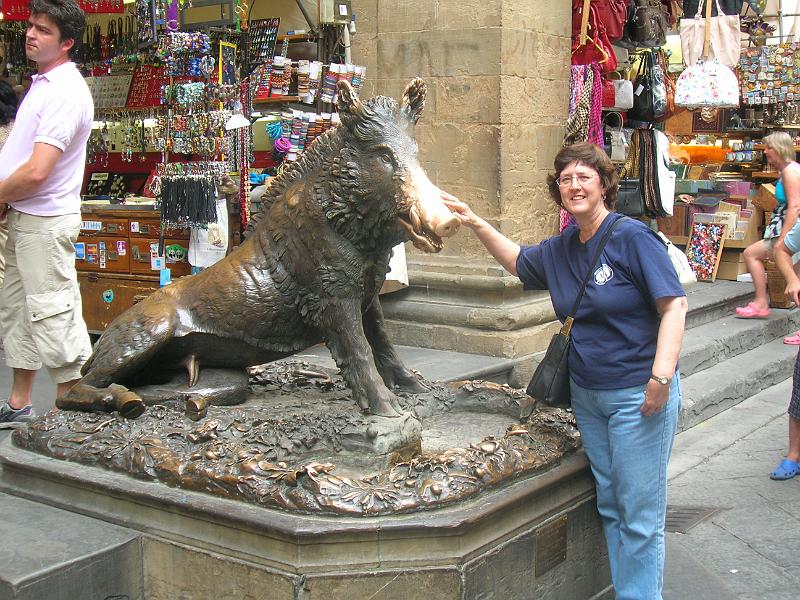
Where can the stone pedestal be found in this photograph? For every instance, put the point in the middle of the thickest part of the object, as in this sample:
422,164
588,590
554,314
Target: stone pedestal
539,537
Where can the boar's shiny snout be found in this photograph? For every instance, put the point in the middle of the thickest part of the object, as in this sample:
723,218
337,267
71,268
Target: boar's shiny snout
448,226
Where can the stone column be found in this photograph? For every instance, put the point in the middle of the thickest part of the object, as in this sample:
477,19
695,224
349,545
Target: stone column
497,74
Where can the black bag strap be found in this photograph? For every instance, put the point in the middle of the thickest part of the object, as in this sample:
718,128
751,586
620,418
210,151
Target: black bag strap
565,329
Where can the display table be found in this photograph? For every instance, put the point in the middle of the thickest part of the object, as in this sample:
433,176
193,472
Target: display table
732,261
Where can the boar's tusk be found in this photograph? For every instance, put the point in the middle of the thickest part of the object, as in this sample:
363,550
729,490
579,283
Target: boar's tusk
413,214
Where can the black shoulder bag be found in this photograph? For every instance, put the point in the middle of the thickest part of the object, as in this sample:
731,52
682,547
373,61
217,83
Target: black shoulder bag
550,382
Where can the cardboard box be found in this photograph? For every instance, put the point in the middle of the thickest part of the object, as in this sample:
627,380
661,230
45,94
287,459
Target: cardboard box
730,270
764,197
776,285
676,224
731,265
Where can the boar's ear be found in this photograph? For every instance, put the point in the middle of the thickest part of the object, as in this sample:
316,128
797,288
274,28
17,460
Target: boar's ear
414,99
349,104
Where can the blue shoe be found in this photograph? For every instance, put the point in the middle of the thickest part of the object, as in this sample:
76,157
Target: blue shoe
786,470
11,418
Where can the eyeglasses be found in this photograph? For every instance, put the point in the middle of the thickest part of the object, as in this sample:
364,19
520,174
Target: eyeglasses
566,180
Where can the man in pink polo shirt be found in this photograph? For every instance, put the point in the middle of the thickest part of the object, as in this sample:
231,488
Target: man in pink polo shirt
41,172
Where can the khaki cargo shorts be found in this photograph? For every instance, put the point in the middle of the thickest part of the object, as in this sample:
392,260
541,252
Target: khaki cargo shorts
3,238
41,320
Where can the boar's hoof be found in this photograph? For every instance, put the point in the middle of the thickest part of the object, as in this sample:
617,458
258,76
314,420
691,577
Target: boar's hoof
88,398
196,407
128,403
413,386
382,408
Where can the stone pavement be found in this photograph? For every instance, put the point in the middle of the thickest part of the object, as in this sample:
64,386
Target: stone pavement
750,548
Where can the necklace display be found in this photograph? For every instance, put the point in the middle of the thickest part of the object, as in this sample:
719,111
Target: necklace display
194,125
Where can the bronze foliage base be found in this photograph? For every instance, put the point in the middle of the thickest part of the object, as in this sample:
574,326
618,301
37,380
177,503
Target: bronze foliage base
299,443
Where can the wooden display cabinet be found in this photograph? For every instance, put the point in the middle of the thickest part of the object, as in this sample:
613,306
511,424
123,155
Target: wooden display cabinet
106,296
113,259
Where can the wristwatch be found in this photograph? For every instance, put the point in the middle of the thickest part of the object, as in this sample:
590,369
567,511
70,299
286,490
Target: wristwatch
661,379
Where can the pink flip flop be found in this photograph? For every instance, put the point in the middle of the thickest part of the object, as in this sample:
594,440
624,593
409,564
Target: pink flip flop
751,311
792,340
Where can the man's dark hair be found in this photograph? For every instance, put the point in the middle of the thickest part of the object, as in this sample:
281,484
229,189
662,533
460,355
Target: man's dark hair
68,17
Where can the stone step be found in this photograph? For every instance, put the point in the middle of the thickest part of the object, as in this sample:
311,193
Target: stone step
54,554
725,384
712,343
711,301
435,365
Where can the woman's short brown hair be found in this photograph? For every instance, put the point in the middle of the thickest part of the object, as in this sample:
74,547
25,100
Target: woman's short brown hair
592,156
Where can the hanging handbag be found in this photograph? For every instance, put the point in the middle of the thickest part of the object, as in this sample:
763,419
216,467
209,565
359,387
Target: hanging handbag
669,84
614,136
550,382
612,13
649,92
623,91
630,199
673,10
646,26
630,195
680,262
591,45
707,83
724,32
609,94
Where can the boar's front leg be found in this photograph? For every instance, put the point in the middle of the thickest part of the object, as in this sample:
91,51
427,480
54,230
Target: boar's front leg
344,335
391,368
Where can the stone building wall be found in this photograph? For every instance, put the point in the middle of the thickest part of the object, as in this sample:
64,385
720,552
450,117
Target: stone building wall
497,74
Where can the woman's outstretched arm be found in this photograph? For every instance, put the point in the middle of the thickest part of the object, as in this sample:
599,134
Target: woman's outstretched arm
503,249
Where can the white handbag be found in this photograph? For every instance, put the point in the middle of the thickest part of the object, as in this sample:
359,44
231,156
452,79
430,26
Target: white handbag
707,83
725,37
623,94
680,262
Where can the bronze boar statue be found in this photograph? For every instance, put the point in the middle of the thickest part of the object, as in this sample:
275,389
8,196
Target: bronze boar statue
310,270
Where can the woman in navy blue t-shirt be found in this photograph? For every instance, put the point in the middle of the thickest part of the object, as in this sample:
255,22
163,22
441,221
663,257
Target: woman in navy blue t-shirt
623,359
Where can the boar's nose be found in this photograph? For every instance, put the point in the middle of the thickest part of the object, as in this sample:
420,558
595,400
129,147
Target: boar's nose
448,226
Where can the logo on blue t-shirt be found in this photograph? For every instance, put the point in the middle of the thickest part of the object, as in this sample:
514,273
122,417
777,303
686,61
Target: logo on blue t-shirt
603,274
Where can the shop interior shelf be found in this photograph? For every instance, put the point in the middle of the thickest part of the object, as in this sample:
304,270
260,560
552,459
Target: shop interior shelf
764,175
761,147
682,240
276,100
298,37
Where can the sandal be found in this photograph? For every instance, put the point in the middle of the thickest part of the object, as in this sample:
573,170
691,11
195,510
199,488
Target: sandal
751,311
786,470
792,340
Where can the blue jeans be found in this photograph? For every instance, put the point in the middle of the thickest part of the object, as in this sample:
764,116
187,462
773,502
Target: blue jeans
628,453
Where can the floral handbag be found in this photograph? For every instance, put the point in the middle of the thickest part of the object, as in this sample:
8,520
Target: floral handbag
707,83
